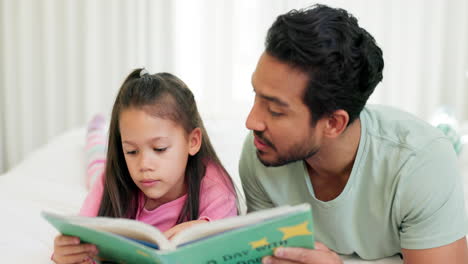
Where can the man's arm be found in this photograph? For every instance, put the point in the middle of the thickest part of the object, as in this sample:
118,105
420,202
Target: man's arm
430,207
454,253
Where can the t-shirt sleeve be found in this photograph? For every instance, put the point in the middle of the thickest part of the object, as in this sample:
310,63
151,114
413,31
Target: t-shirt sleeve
430,197
217,195
255,195
92,202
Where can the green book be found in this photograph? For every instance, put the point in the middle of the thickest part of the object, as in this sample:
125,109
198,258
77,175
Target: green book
239,239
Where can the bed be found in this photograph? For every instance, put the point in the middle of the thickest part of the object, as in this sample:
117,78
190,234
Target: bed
51,178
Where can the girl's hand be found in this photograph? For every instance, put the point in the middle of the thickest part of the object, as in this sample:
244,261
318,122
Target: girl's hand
321,254
68,250
176,229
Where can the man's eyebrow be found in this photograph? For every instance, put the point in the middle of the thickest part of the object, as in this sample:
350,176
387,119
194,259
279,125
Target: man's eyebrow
274,99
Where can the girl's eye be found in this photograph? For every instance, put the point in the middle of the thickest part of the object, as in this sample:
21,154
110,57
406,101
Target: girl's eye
133,152
160,149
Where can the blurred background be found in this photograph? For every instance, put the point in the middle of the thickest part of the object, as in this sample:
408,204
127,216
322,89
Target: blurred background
62,61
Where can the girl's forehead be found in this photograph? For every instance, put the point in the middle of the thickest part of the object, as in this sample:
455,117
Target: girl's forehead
140,120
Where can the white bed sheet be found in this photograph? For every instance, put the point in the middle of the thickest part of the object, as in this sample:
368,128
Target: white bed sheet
52,178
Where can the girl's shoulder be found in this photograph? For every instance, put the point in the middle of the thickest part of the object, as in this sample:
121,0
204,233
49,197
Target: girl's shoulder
217,193
216,176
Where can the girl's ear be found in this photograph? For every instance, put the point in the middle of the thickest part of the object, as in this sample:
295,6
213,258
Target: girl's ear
195,140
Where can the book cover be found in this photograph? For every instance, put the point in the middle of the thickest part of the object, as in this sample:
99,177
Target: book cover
240,239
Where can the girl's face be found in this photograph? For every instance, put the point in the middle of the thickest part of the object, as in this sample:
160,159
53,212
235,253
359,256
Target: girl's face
156,151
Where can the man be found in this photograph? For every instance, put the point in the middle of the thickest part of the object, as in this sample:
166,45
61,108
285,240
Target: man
380,181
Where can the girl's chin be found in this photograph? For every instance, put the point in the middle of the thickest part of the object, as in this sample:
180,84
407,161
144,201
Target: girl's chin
153,202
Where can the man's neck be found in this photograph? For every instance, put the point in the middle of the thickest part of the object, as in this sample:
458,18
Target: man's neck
330,168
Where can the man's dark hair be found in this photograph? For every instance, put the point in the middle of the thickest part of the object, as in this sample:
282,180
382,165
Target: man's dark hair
342,60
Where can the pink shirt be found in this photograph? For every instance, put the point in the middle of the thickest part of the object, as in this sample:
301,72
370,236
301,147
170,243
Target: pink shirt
217,200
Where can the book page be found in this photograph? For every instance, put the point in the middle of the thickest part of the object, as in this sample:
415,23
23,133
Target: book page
124,227
203,230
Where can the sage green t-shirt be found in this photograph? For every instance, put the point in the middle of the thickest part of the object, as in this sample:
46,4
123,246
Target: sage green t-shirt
404,191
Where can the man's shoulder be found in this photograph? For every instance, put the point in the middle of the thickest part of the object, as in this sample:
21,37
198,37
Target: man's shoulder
398,145
398,128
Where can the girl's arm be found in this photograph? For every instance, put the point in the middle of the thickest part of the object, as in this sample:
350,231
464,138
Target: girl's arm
217,200
177,228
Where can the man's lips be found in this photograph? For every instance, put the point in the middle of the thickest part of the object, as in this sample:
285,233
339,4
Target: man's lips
259,144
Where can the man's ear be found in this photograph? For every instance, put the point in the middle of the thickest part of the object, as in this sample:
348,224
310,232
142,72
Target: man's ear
195,140
336,123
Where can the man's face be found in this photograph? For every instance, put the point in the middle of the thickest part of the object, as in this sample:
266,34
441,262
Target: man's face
281,122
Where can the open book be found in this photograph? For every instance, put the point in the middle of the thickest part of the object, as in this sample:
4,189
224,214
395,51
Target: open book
239,239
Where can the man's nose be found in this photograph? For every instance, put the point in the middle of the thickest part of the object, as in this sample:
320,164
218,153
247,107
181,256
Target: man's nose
254,120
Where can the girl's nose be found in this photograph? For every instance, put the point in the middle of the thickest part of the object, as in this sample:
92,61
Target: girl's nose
146,162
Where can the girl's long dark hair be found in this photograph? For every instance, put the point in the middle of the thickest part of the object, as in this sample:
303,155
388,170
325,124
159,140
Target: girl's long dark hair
165,96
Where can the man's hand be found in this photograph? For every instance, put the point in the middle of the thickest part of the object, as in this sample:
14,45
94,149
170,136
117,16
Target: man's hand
320,255
176,229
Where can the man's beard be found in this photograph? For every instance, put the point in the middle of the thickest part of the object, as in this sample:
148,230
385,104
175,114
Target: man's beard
296,153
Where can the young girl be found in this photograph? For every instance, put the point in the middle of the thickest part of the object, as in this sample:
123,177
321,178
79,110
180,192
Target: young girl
161,167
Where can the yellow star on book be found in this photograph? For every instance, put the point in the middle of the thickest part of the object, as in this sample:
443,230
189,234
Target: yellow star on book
259,243
297,230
